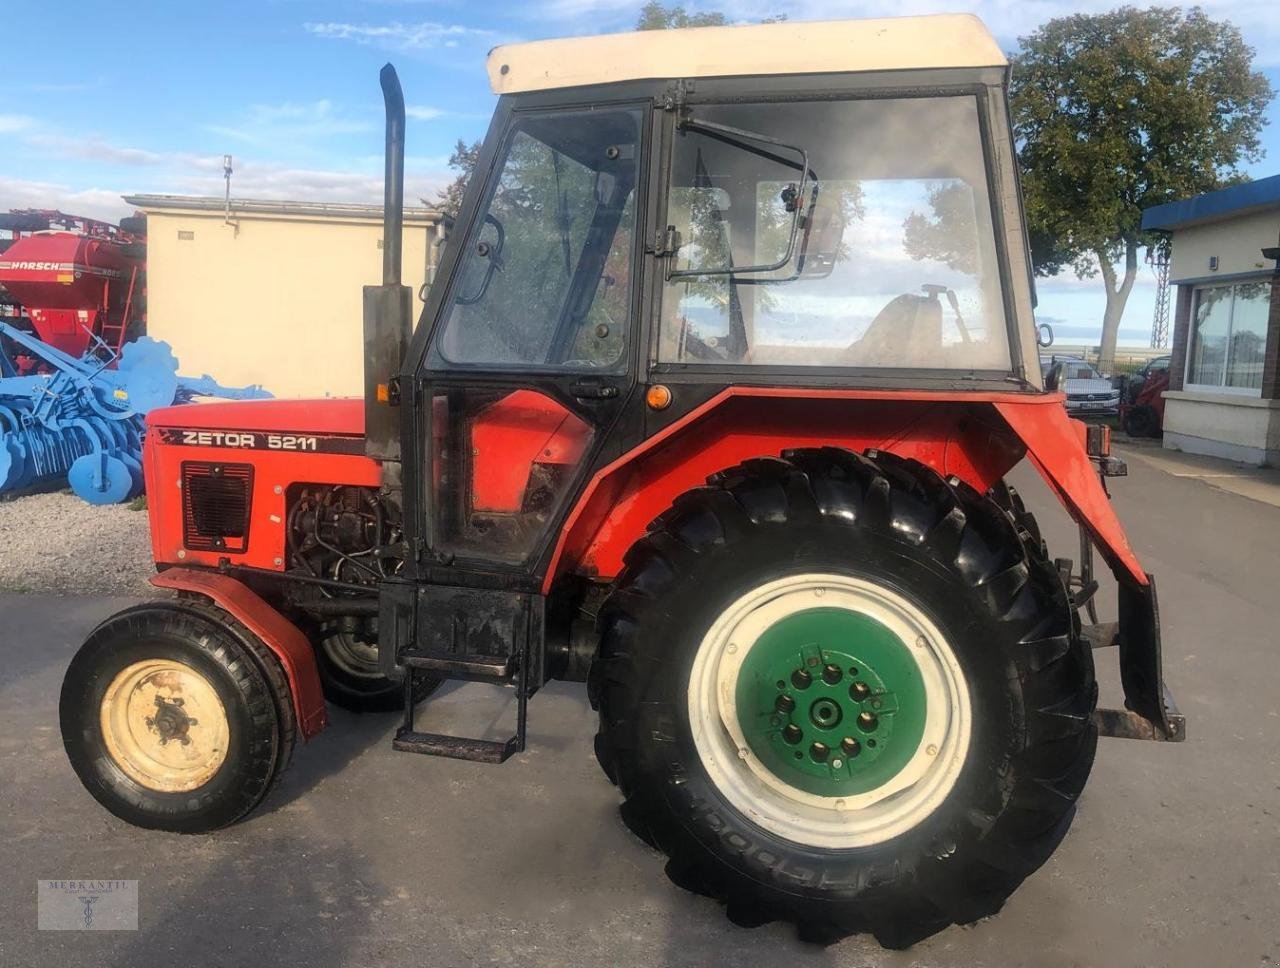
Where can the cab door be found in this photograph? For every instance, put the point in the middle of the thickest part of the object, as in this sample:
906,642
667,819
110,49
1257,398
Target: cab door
532,356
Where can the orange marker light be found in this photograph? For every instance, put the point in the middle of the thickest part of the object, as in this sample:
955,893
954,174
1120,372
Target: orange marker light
384,393
658,397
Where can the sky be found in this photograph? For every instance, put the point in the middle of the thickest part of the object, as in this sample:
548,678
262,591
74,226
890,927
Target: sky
146,97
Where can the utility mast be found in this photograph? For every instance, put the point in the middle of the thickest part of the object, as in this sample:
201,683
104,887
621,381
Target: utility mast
1158,259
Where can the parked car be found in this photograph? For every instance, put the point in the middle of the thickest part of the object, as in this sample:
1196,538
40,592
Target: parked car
1087,390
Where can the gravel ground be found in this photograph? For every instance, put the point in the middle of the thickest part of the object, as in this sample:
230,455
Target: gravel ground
59,543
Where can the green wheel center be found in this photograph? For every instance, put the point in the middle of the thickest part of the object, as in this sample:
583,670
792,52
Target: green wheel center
831,701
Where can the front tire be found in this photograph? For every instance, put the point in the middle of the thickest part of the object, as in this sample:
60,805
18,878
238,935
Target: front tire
176,717
943,729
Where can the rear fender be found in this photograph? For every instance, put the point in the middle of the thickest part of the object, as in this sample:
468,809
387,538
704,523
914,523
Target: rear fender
277,633
1055,445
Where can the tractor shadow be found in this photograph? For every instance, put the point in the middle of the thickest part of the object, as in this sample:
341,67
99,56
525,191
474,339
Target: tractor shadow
253,907
455,708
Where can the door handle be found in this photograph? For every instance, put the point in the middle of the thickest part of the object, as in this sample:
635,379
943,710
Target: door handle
593,390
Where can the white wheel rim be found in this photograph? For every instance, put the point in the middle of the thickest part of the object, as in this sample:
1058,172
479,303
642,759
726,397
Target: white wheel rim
164,725
887,811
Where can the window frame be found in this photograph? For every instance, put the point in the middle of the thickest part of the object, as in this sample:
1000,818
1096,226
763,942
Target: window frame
434,359
1192,328
717,92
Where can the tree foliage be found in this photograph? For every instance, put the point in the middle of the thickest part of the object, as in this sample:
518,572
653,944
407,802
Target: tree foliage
463,162
655,16
948,235
1119,111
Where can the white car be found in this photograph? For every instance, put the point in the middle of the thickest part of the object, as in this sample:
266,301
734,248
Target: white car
1087,390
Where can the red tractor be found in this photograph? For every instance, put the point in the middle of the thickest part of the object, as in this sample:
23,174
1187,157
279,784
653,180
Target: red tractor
710,406
1143,415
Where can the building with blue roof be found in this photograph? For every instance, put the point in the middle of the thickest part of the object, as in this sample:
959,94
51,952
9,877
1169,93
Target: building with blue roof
1224,377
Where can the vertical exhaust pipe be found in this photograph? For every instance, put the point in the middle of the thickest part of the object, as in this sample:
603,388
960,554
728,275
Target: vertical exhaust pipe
393,177
386,307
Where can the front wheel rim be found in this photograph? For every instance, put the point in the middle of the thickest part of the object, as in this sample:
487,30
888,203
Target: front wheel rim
852,795
164,725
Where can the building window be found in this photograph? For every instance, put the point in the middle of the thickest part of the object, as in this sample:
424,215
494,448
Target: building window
1229,336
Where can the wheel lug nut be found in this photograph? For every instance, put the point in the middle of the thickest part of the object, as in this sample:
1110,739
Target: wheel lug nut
850,746
784,704
819,752
859,690
792,734
801,679
867,721
831,674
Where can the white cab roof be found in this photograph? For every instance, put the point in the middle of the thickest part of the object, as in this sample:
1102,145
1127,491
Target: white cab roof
812,47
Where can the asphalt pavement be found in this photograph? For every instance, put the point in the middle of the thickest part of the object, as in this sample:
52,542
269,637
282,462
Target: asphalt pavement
367,857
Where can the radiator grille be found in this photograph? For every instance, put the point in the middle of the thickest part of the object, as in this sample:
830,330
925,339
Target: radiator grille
215,506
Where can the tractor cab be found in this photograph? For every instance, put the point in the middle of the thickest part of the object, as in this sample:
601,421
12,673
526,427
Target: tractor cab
815,222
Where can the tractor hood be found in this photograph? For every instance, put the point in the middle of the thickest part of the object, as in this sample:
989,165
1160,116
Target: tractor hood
341,416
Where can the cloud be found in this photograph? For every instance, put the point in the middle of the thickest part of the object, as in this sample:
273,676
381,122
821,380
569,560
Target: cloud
13,123
93,148
427,35
421,112
291,123
103,203
184,173
1068,282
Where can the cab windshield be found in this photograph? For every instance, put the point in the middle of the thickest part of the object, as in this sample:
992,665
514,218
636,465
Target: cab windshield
833,233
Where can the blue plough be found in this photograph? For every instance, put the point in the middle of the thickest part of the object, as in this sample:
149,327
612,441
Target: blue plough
83,421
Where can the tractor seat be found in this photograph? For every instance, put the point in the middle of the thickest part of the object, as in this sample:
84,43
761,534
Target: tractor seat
908,328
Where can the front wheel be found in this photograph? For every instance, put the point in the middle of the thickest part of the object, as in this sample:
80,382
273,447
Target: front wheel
842,691
175,717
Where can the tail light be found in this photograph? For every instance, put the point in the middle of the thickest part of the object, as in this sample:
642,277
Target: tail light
215,506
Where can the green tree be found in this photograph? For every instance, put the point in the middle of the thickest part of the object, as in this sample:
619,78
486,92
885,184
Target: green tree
948,236
1119,111
463,162
655,16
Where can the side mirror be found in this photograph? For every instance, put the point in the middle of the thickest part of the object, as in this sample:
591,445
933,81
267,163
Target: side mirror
1044,334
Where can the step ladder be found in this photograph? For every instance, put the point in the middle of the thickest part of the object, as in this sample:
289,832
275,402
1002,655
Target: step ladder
497,670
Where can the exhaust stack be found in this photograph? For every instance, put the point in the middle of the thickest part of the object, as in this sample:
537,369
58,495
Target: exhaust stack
386,307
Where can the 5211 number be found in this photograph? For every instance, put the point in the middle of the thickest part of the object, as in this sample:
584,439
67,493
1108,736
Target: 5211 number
290,442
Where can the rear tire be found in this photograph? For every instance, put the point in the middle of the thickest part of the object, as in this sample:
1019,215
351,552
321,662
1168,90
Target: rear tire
1017,682
176,717
352,678
1141,420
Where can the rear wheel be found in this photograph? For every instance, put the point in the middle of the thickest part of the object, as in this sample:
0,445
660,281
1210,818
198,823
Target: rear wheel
839,690
1141,420
352,678
176,717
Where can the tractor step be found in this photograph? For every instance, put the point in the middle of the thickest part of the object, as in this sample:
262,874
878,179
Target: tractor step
471,668
456,747
496,670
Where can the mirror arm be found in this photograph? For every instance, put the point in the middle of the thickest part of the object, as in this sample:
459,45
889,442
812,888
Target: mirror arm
736,137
